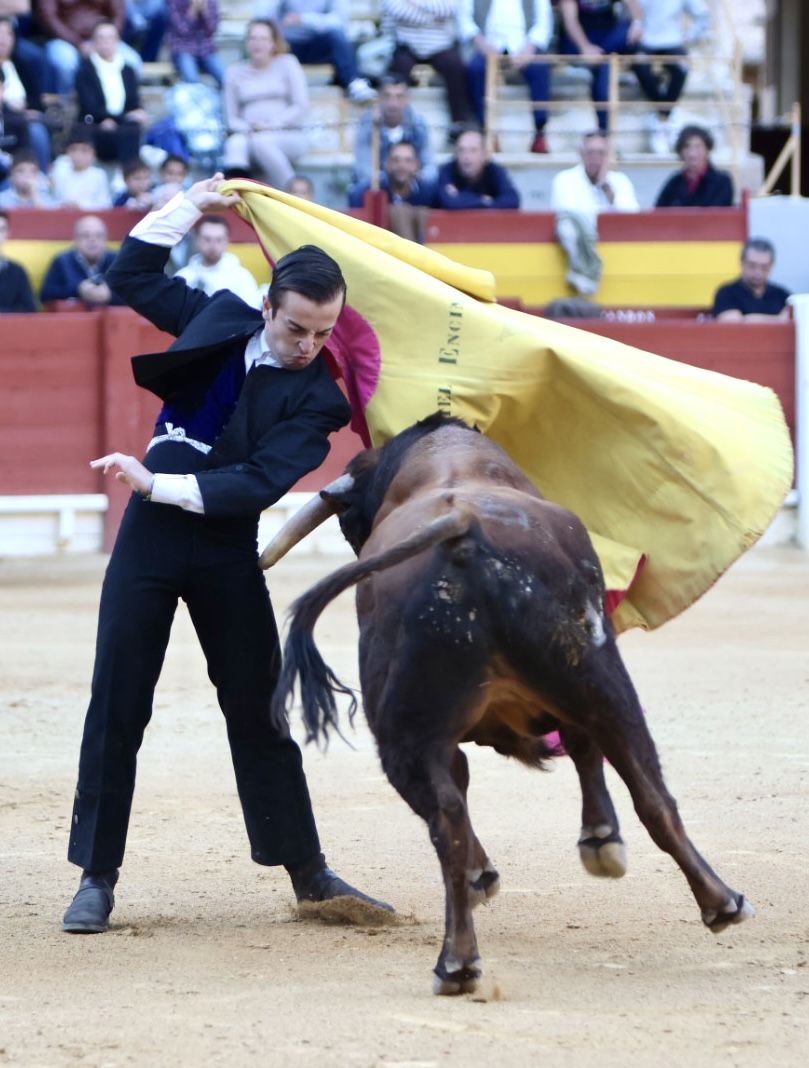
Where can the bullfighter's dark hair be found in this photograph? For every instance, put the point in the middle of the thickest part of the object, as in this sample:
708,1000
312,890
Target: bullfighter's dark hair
693,130
374,470
310,271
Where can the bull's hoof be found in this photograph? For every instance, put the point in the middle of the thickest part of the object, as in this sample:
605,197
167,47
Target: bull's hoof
464,980
736,911
484,887
602,852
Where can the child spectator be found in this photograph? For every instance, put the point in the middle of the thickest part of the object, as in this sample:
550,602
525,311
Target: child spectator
28,187
300,186
15,286
191,39
138,195
77,181
173,178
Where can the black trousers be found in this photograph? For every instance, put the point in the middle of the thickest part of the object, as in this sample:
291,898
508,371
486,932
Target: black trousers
162,554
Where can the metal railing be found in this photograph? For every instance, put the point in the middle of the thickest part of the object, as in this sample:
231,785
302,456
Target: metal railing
790,153
724,76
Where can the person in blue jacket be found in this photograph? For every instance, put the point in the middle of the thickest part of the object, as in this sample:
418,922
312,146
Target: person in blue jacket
471,180
78,273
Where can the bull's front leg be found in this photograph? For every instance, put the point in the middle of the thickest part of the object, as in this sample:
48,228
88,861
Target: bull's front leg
618,725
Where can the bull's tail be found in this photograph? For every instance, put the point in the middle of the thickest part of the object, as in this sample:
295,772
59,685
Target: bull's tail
301,657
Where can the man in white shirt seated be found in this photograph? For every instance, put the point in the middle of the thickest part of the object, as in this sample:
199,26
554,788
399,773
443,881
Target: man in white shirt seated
212,267
578,196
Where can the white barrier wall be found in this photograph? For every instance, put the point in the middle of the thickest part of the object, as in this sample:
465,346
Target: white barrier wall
800,309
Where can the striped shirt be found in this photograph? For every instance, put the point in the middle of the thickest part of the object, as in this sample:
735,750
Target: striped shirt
425,28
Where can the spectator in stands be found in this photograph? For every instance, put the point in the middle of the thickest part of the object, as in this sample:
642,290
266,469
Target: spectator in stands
504,29
471,180
301,186
173,177
13,131
593,28
426,31
69,26
78,273
409,196
699,184
22,64
138,195
578,196
109,97
266,100
192,26
212,267
78,182
15,286
752,298
28,187
663,35
144,27
397,122
316,33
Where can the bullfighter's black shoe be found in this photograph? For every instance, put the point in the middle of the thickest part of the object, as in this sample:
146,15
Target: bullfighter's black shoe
89,912
314,884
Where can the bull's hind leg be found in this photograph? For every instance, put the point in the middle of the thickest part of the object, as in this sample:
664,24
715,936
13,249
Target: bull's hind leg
483,877
425,780
619,727
601,847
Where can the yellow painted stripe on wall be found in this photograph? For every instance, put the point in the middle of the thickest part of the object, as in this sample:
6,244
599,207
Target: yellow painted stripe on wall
36,256
636,273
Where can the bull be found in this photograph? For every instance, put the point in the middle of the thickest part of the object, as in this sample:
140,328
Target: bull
481,619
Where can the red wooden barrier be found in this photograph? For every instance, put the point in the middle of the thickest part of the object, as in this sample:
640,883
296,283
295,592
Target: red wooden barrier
68,393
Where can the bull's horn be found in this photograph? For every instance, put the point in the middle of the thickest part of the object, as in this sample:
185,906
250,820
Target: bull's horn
307,519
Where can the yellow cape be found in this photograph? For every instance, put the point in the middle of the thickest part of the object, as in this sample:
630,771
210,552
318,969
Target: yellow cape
661,460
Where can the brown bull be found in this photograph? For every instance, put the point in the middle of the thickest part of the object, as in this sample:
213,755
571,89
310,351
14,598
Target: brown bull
481,620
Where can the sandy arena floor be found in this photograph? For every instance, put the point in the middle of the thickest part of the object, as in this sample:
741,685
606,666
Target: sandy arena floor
206,963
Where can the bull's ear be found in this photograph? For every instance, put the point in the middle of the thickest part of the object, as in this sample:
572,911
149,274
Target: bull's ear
340,495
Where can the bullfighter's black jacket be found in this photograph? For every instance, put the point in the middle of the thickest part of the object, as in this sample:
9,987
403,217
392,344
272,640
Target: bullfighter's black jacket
279,429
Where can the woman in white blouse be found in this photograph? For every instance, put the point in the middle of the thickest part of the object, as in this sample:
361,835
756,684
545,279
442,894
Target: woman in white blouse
109,97
266,100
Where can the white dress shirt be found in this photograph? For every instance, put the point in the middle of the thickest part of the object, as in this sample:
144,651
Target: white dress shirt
573,191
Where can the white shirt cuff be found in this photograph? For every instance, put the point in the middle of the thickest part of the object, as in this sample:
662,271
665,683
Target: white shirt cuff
181,490
168,224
